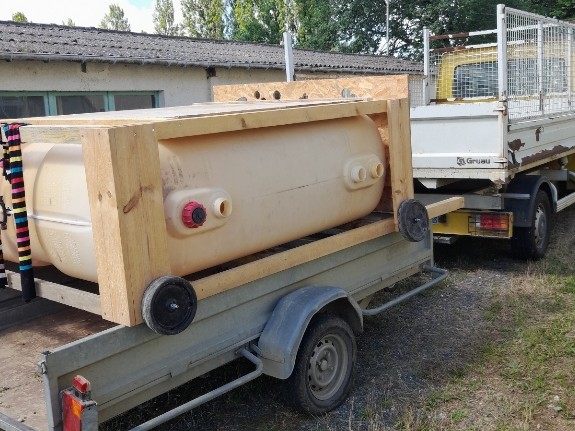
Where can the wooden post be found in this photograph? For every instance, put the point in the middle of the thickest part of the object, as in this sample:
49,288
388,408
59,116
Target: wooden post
126,205
399,134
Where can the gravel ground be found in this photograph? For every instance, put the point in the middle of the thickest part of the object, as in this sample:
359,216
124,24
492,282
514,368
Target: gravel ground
404,355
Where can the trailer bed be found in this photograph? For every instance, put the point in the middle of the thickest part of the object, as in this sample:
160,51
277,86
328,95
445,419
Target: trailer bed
129,365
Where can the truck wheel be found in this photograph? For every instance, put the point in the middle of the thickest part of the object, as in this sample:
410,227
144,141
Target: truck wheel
324,367
169,305
532,242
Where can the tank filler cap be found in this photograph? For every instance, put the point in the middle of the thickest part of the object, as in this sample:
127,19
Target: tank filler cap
193,214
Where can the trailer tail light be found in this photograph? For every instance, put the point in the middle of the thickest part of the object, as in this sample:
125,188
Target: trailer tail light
78,410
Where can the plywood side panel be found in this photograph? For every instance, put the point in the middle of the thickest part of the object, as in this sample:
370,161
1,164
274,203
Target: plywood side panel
126,205
374,87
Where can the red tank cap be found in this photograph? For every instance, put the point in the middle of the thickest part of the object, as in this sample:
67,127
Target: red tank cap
194,214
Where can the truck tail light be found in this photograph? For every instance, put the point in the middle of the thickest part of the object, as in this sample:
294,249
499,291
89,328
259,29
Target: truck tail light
490,224
497,221
78,409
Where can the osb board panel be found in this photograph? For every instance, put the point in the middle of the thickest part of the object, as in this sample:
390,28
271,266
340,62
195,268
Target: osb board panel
374,87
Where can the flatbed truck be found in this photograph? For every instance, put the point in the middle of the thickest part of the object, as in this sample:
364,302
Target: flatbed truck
495,124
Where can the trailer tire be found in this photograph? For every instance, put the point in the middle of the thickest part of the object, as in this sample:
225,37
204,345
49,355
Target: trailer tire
532,242
324,367
169,305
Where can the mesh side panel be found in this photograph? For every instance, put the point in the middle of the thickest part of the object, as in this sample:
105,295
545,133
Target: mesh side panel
416,96
464,68
539,60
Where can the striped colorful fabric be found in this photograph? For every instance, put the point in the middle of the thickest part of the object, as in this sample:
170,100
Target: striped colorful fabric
3,280
16,176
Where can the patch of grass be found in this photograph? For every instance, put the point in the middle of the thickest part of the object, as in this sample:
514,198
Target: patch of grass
458,415
569,286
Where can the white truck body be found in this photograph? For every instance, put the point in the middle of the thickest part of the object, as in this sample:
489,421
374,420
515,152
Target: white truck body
495,123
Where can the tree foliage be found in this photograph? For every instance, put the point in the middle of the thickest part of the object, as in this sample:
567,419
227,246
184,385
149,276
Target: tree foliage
164,18
204,18
69,23
19,17
115,19
317,24
262,21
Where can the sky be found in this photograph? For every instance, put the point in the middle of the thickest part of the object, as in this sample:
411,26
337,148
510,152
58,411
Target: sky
84,13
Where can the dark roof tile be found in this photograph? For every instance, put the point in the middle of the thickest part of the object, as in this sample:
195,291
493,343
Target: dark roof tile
39,41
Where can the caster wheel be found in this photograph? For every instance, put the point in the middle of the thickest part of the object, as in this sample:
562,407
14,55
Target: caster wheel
169,305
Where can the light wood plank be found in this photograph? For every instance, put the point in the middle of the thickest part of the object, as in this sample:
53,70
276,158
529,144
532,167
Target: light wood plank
218,119
52,134
399,132
66,295
126,206
375,87
223,281
445,206
152,115
170,129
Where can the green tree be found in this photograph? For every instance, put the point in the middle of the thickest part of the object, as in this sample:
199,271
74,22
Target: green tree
69,23
164,18
362,22
563,9
262,21
317,24
204,18
19,17
115,19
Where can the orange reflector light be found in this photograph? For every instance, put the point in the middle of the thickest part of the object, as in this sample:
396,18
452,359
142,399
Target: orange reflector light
71,412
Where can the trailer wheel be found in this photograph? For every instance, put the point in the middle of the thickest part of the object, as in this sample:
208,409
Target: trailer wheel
169,305
324,367
532,242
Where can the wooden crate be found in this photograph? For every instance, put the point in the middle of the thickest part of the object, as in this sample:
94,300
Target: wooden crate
126,205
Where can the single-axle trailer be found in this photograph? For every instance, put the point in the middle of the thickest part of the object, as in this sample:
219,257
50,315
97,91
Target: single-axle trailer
80,354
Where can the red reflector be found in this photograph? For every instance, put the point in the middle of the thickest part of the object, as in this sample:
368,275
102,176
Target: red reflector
494,222
81,384
71,412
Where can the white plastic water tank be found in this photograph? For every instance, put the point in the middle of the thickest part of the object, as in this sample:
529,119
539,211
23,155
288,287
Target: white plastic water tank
226,195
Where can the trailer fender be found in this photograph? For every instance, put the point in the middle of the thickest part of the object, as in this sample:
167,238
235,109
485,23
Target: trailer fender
522,209
280,340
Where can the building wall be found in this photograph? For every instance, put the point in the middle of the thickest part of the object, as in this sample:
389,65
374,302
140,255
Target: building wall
177,85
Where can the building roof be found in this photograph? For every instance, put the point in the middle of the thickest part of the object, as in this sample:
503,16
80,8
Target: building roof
50,42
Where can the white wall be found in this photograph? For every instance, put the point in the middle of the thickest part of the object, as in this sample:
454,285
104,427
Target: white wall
179,85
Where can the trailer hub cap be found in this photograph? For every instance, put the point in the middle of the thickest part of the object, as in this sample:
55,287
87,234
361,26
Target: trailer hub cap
326,371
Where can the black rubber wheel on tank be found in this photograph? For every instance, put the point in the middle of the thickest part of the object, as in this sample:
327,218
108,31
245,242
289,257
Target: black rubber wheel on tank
324,367
413,220
532,242
169,305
